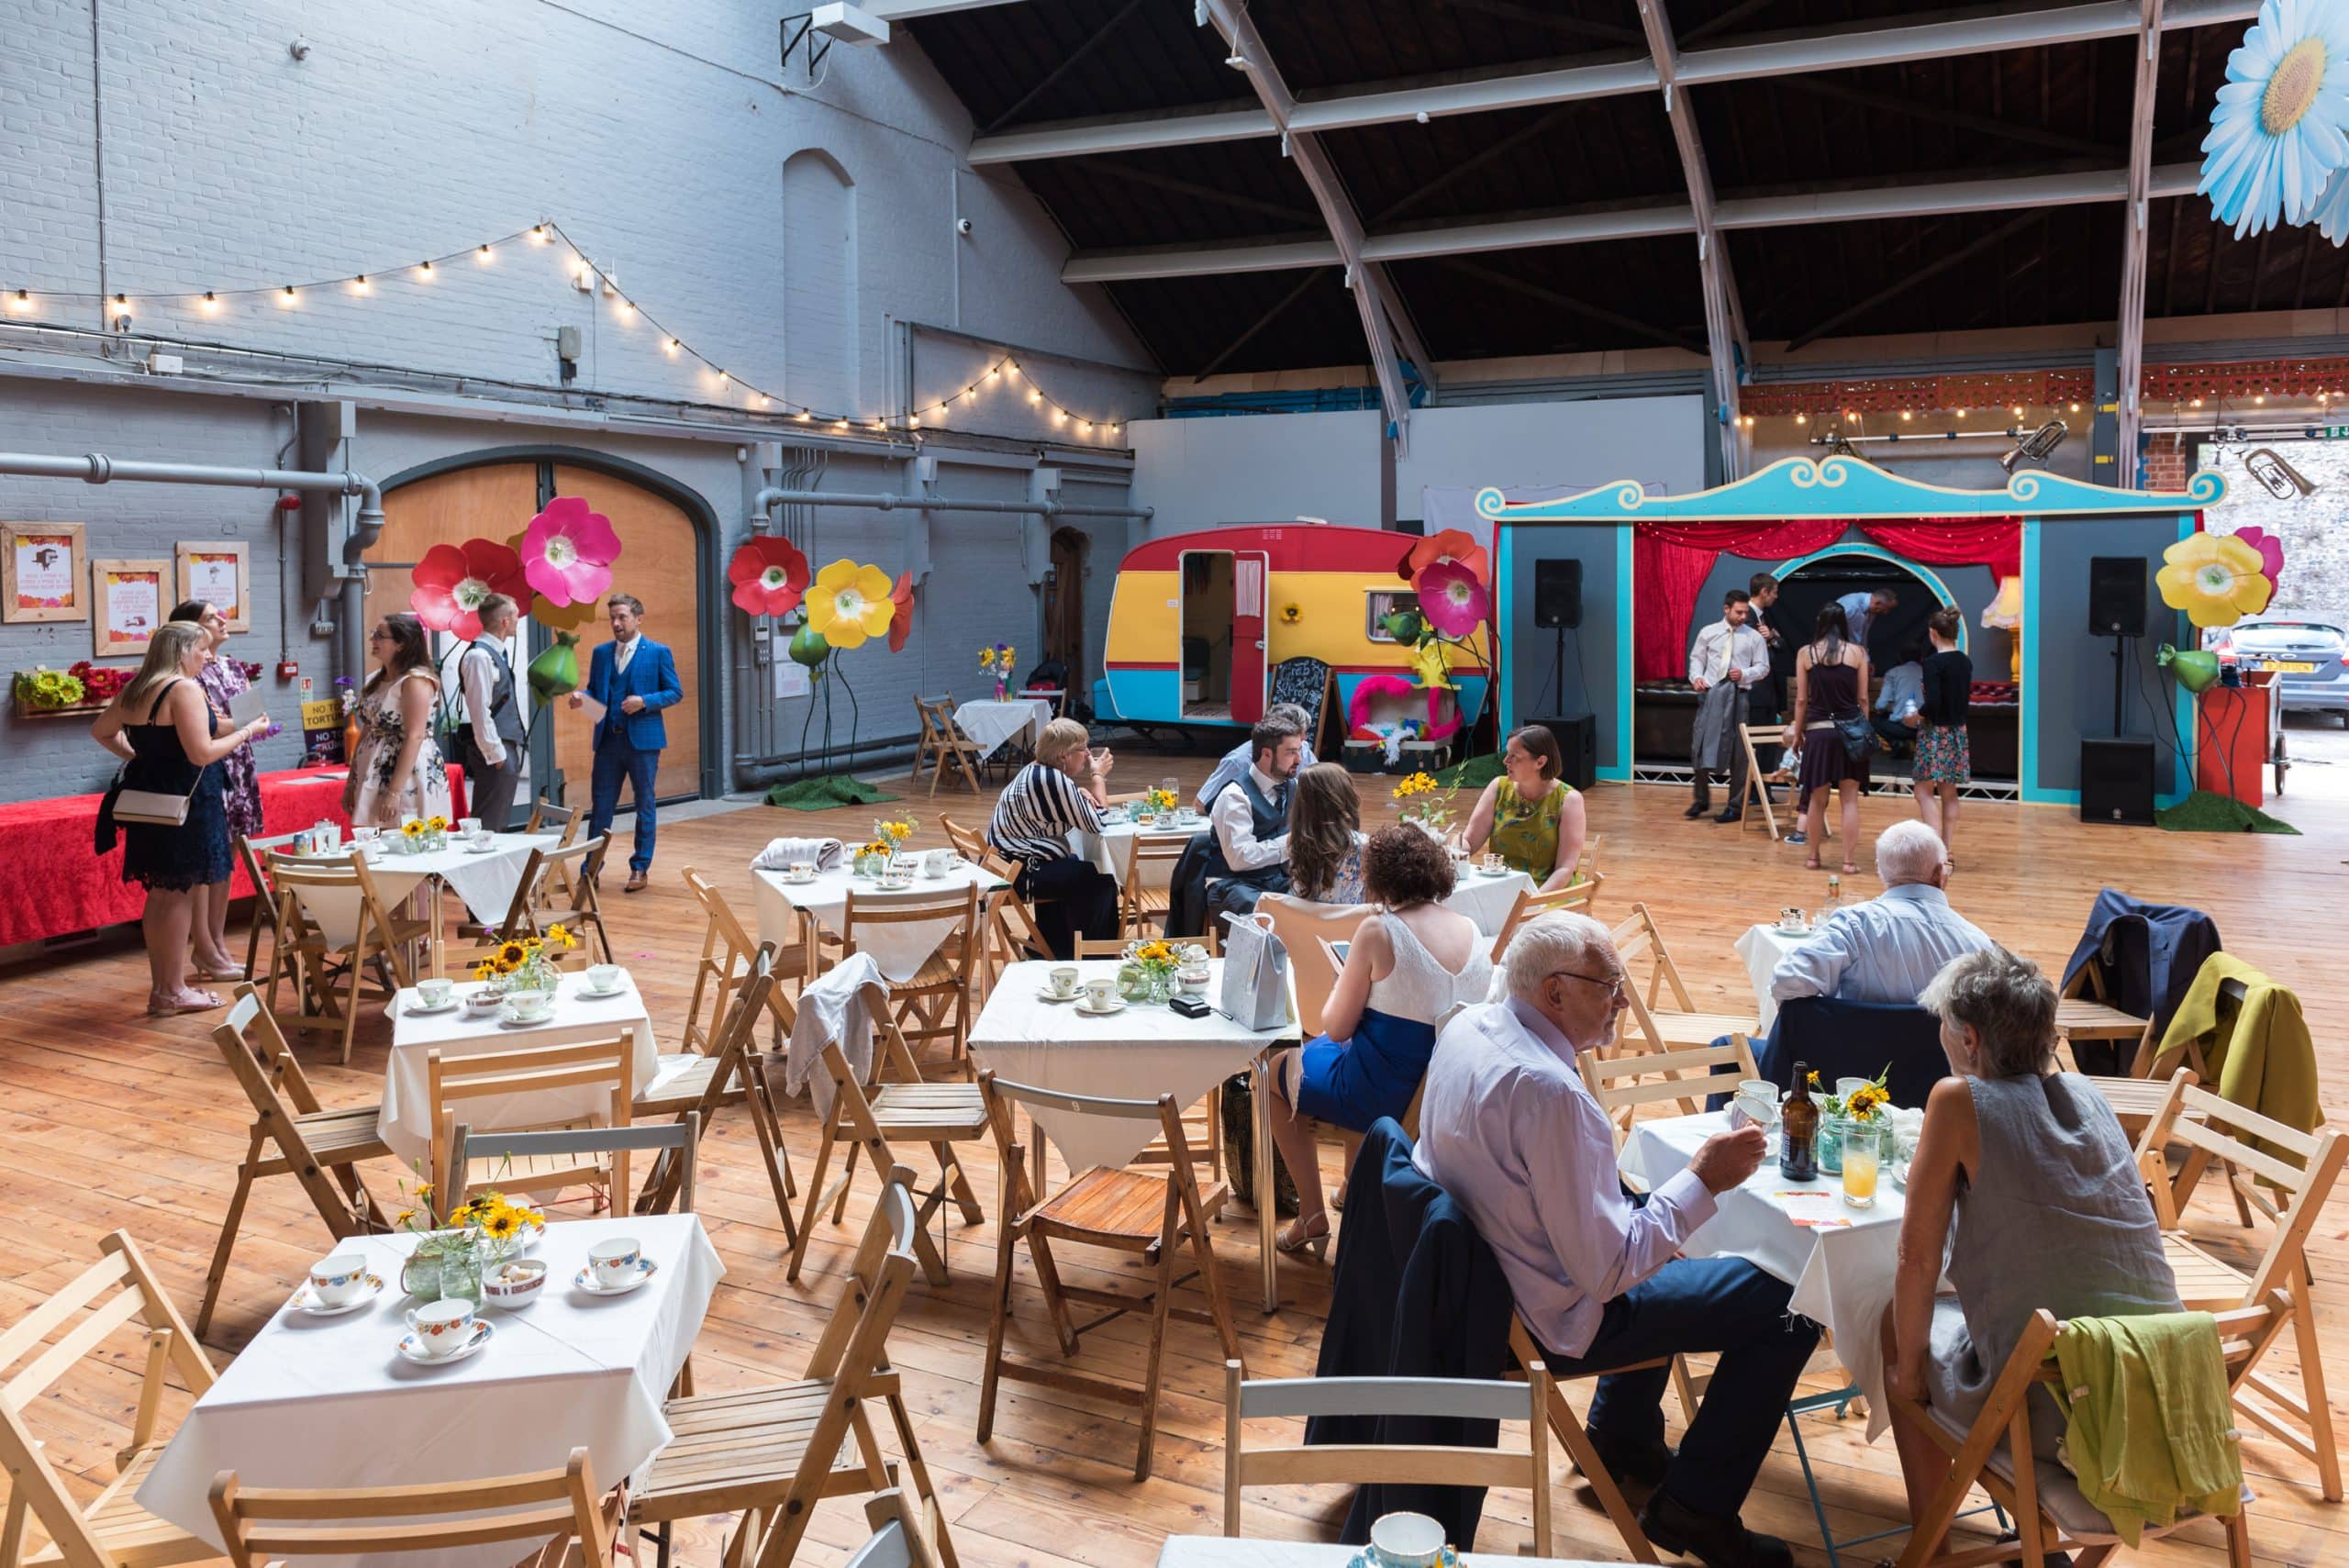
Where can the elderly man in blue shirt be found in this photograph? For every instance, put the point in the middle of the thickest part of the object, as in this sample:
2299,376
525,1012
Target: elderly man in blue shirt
1889,948
1509,1129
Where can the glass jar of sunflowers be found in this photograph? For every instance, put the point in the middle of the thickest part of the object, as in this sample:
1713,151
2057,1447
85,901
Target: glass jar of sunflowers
888,837
420,834
527,965
1852,1118
1156,805
1147,972
1425,805
501,1227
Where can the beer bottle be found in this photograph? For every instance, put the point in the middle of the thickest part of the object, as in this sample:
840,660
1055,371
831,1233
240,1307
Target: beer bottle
1798,1130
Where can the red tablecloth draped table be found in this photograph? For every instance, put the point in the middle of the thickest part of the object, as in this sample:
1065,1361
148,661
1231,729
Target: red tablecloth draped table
53,882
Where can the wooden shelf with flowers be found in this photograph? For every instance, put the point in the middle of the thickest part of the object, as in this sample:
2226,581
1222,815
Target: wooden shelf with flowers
82,688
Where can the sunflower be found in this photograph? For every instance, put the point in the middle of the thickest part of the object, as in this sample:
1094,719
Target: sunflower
2281,127
501,1225
2215,578
512,953
560,935
485,970
412,828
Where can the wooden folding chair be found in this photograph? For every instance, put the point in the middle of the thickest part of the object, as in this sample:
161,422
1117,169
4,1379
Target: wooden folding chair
2287,1176
1757,788
320,1148
669,1185
773,1453
261,1525
1567,1427
1363,1464
1309,930
1667,1028
1013,934
925,743
727,951
536,902
2049,1512
950,745
265,911
893,1103
379,933
1149,887
972,847
1620,1083
113,1531
935,1002
1533,904
457,1084
711,1082
1154,1216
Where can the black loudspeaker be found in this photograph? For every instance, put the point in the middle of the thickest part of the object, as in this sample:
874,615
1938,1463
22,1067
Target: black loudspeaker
1557,593
2117,780
1577,741
2117,596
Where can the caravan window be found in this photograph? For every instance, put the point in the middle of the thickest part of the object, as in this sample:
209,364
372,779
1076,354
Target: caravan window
1382,603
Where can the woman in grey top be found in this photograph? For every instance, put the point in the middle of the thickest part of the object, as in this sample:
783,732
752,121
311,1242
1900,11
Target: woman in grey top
2025,1191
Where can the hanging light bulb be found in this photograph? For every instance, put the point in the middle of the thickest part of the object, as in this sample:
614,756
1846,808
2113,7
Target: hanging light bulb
1034,396
1802,418
539,234
840,425
21,300
803,416
2075,407
209,303
424,271
285,296
1084,427
481,254
359,283
995,375
2198,403
1905,416
673,345
1011,369
764,400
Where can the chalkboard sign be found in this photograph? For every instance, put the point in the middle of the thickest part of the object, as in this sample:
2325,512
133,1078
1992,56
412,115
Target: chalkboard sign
1305,683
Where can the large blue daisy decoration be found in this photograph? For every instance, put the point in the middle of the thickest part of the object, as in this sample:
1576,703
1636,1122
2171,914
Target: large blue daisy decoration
2281,128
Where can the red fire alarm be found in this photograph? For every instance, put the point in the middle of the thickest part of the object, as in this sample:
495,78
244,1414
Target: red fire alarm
287,669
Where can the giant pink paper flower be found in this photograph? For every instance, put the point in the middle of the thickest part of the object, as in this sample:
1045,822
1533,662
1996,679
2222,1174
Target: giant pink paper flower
901,618
2271,553
1450,598
769,575
453,580
568,550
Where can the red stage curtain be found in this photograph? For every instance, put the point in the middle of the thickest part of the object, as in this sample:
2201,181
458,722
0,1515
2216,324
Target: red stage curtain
1994,543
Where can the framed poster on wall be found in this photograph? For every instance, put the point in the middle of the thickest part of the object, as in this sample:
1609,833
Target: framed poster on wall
40,572
219,572
128,602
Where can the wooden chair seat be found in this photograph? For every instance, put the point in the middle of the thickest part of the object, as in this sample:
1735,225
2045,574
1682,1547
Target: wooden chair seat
128,1534
1151,900
347,1134
1701,1029
2136,1101
927,1111
681,1091
2204,1283
2083,1018
1110,1208
730,1449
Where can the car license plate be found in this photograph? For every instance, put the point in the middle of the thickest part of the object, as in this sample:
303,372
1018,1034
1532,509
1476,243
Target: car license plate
2285,666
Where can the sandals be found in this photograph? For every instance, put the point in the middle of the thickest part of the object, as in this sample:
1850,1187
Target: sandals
1299,1234
1851,870
198,1002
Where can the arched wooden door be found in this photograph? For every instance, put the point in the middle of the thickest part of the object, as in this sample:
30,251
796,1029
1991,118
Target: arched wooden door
1064,604
661,562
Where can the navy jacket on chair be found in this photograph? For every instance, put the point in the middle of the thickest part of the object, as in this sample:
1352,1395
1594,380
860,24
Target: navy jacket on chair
1856,1040
2148,955
1187,889
1415,1292
651,674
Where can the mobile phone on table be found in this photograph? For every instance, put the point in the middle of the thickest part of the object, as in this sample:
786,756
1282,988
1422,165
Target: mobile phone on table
1189,1007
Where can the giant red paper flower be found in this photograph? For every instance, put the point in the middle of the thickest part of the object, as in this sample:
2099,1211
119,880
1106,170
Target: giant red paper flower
453,580
1452,544
769,575
568,550
1450,598
901,618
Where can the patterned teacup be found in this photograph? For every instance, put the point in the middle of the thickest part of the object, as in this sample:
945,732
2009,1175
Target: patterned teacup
338,1280
617,1262
441,1327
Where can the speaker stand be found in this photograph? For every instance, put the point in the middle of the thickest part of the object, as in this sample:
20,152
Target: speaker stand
1558,671
2120,683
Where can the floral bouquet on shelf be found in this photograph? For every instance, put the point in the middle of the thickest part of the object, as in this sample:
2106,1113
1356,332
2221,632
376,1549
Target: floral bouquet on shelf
1146,974
100,682
526,963
45,689
1425,805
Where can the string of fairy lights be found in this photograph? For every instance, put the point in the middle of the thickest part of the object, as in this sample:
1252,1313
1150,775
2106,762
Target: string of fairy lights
122,306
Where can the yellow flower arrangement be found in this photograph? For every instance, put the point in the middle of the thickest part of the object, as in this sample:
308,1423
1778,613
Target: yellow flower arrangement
1422,801
1417,784
877,846
498,1220
437,825
1158,957
1158,800
1867,1100
886,831
413,828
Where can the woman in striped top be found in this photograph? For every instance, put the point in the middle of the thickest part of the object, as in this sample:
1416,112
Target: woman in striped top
1060,792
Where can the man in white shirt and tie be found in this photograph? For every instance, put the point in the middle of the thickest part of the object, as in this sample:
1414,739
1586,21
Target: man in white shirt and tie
1726,659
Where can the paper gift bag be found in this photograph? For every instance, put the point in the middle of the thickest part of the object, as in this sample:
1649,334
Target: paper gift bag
1256,973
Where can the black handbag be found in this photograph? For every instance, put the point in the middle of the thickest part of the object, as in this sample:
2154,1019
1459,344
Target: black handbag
1858,736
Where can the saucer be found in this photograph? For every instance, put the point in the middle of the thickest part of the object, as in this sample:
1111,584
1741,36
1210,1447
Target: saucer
509,1019
1046,994
307,1304
484,847
482,1331
586,1279
419,1007
790,881
593,994
1116,1005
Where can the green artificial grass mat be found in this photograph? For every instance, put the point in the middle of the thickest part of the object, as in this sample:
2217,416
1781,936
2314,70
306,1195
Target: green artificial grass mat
2205,812
1475,772
824,793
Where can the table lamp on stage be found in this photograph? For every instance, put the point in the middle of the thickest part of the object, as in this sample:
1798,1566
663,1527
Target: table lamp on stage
2004,613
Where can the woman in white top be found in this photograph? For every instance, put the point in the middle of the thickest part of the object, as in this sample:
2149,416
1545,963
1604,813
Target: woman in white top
1407,967
399,772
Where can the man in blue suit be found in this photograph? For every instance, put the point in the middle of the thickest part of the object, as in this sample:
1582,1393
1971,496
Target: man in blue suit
633,678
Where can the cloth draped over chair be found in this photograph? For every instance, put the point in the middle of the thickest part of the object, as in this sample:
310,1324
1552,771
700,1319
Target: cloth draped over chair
1671,562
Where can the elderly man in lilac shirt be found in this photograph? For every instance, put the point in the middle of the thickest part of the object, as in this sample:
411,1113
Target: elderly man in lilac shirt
1509,1129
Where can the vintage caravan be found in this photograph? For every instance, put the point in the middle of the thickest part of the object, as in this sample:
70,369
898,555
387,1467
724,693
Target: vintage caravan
1199,622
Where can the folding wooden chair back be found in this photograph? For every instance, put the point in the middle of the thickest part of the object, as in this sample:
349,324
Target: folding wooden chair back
1437,1398
773,1453
569,821
2049,1512
670,1144
1056,695
972,847
1622,1085
934,1003
265,916
1757,786
113,1531
1149,888
458,1086
1533,904
1678,1024
892,1103
950,745
725,950
291,1136
1155,1216
2287,1176
261,1525
378,933
710,1083
1567,1427
925,743
562,887
1308,930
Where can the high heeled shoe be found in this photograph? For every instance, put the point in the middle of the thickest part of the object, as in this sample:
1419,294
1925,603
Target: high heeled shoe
1299,1234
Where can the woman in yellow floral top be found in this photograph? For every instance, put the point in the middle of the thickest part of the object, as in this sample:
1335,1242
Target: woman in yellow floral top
1528,815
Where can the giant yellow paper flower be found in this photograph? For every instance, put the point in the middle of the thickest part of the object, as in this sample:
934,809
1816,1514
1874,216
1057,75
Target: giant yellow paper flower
2215,578
849,602
1427,660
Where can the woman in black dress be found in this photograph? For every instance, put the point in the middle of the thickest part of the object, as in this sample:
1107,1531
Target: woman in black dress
1945,754
171,743
1831,684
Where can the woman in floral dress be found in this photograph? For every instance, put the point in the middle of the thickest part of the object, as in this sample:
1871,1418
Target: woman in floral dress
399,772
222,681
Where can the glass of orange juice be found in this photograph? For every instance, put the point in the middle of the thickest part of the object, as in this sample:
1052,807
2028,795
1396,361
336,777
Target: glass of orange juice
1860,1151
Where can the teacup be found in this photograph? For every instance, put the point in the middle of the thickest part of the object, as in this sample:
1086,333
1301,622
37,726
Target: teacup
531,1005
433,992
487,999
1492,864
469,826
441,1327
1100,994
1790,919
800,870
605,976
1757,1101
1407,1540
938,863
1846,1088
617,1262
1063,979
338,1280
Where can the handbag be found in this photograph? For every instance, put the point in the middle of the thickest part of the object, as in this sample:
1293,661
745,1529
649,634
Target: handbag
1857,734
1256,973
154,808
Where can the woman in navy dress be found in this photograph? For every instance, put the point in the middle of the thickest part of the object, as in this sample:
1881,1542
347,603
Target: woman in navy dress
1408,966
171,743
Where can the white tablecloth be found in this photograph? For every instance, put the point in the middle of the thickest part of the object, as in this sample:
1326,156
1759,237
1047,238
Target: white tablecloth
1488,899
1762,947
329,1402
1136,1054
900,951
1224,1551
1109,848
1842,1274
991,723
406,1122
485,880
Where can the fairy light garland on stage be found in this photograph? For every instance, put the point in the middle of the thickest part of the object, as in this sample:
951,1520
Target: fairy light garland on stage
23,304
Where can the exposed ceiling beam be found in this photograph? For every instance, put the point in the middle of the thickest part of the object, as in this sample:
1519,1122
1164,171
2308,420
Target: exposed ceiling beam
2129,362
907,10
1587,227
1725,341
1933,37
1272,313
1369,284
1910,279
1510,281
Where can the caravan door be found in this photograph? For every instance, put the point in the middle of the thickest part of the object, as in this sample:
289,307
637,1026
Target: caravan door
1250,584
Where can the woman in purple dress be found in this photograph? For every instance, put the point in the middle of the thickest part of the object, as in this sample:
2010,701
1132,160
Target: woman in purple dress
222,681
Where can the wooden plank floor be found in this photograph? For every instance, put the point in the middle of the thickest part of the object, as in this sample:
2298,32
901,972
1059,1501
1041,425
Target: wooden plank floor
115,1119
